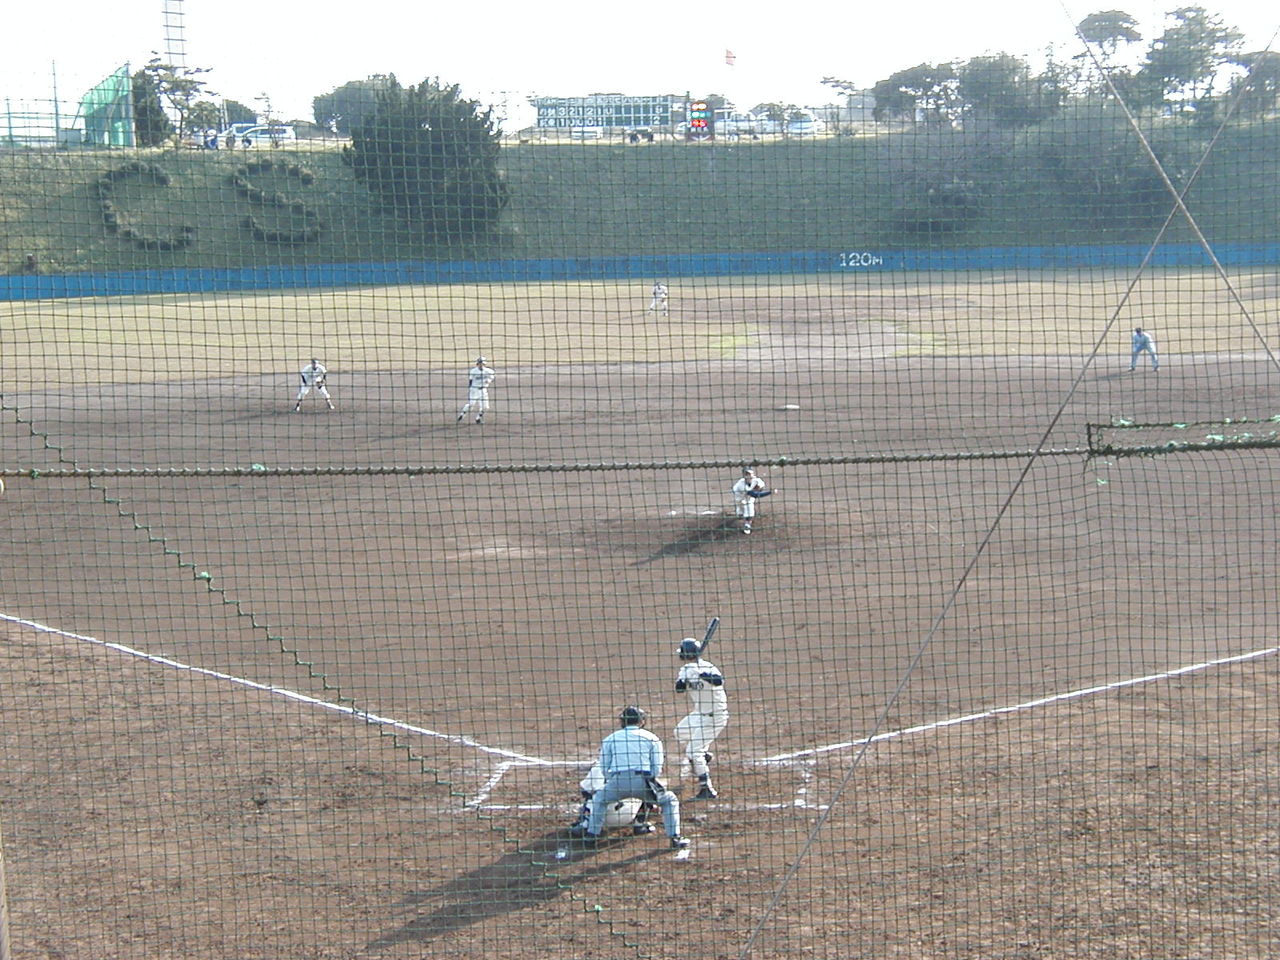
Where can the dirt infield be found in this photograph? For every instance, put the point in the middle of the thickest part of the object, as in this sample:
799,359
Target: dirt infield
494,621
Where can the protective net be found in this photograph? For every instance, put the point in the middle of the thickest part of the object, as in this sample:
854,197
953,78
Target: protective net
313,623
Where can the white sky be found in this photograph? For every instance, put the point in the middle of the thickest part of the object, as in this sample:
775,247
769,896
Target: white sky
506,50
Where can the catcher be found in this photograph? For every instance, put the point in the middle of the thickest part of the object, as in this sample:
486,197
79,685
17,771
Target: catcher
313,376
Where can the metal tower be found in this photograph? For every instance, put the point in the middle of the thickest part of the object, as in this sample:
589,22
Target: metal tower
175,39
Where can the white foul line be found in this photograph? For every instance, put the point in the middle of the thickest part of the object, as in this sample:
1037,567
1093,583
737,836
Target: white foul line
1027,705
370,718
519,759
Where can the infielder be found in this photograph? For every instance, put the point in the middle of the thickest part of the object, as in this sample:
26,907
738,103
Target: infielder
478,390
659,298
746,491
313,375
1143,342
704,683
631,760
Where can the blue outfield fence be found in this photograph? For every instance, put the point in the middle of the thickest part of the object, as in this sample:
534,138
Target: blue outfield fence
1117,256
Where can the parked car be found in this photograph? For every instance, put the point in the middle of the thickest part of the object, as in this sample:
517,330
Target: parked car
809,126
745,125
266,136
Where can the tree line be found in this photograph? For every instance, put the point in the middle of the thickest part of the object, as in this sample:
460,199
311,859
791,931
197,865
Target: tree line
430,156
1195,65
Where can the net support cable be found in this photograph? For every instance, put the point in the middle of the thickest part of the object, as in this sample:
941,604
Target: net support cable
1179,208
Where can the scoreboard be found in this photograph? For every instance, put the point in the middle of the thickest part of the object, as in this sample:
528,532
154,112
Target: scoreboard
701,120
604,110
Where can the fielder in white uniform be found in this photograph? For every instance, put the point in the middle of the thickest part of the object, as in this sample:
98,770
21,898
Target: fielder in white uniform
478,381
659,298
704,683
746,491
631,760
313,377
1143,342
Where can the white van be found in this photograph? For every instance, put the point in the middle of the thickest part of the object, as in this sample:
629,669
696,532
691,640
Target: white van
806,126
266,136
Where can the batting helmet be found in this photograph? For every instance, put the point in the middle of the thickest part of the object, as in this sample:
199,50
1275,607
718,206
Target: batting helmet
632,716
481,359
690,649
747,471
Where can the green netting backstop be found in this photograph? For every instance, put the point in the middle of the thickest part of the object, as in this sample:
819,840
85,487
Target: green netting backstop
292,673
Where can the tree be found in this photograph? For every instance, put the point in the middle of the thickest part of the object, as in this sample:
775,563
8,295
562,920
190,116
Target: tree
1000,88
235,112
1101,169
344,108
1108,29
1259,89
1105,31
1183,63
926,90
151,126
432,157
775,115
180,87
204,115
850,91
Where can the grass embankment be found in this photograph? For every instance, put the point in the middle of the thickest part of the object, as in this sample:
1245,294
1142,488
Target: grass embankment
1044,185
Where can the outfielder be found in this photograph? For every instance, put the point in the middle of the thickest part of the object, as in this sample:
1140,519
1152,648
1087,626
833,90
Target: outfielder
1143,342
746,491
659,298
478,390
704,683
313,375
631,760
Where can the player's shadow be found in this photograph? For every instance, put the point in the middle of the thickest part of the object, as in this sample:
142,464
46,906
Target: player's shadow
696,536
526,877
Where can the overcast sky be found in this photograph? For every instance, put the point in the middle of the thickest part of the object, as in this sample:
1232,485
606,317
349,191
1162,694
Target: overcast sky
499,51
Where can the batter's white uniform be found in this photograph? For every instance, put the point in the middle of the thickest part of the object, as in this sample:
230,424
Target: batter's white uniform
744,502
313,377
1143,342
478,382
704,683
659,299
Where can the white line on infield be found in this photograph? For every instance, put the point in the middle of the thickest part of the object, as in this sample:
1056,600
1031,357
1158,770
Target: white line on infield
370,718
1027,705
518,760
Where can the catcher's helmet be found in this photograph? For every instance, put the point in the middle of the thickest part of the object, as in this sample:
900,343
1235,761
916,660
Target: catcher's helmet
632,716
690,649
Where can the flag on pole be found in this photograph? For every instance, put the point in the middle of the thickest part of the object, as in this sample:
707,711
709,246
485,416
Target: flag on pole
729,58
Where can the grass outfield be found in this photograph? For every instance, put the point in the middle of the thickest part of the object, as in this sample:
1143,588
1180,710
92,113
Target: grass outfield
64,343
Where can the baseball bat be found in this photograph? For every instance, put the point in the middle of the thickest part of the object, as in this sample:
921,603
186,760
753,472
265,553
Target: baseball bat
712,627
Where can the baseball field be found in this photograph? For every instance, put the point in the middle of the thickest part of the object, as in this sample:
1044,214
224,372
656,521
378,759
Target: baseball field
322,684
